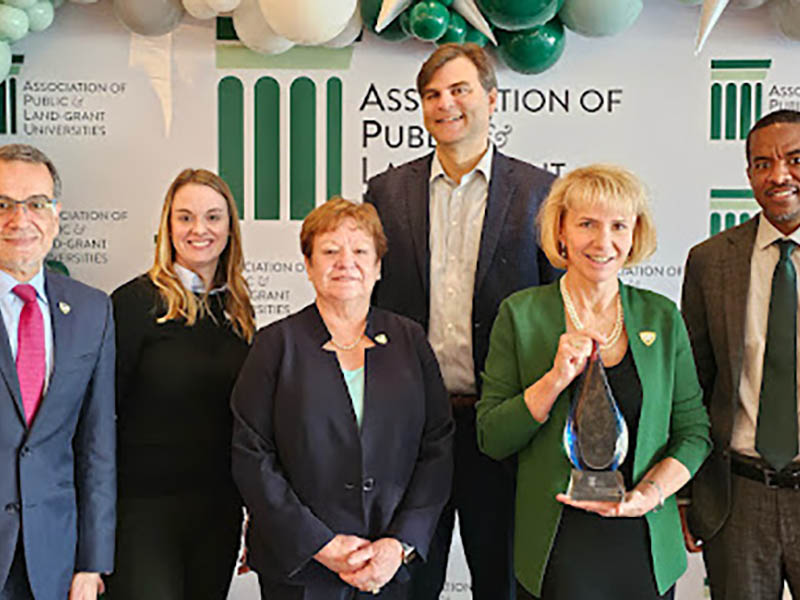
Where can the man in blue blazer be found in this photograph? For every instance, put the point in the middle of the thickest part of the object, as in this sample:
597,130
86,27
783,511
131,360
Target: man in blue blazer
460,226
57,430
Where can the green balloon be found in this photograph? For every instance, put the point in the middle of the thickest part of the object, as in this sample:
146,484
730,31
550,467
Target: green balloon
5,60
23,4
447,3
456,31
370,9
475,37
597,18
532,50
514,15
13,24
40,15
428,20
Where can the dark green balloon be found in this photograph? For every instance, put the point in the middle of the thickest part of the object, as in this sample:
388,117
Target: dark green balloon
403,19
447,3
475,37
428,20
370,9
532,50
514,15
456,31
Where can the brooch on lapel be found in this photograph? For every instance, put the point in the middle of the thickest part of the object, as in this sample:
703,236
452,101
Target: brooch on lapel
64,307
647,337
381,339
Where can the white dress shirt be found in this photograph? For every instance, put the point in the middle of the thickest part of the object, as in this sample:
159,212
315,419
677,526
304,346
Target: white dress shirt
11,307
456,220
762,265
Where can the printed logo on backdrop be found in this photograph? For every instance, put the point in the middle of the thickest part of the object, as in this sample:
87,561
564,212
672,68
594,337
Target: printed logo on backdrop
273,280
737,96
39,108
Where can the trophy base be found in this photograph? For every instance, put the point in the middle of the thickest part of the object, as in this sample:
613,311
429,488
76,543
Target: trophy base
596,485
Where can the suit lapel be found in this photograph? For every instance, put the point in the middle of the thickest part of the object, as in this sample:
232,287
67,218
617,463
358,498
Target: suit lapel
735,271
8,368
417,199
59,324
500,191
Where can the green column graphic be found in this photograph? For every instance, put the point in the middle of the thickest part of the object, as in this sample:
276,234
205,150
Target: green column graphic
12,105
302,147
730,111
230,137
334,137
267,162
745,110
716,223
716,111
759,93
743,217
730,220
3,107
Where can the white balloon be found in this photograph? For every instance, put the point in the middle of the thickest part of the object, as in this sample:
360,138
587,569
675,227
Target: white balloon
712,9
786,14
5,60
199,9
308,22
748,4
351,32
222,6
254,31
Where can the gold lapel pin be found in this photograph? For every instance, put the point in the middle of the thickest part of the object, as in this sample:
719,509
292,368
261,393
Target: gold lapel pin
64,307
647,337
381,339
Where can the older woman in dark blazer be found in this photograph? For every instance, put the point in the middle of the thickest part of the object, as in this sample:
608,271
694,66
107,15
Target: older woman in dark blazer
342,430
595,221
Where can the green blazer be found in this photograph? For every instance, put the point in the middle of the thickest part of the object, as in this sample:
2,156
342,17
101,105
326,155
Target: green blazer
673,421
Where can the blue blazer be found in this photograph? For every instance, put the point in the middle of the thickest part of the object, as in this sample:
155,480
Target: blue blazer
58,477
305,469
509,258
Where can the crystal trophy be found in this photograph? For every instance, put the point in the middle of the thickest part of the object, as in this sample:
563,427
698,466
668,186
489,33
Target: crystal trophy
595,436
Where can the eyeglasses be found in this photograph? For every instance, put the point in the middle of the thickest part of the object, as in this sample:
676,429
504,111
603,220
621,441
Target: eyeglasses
35,205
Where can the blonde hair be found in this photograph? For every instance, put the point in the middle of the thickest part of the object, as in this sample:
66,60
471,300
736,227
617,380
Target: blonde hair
182,303
608,186
328,216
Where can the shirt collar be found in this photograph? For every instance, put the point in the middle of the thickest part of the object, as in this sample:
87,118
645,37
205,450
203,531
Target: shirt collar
768,234
484,166
192,281
8,282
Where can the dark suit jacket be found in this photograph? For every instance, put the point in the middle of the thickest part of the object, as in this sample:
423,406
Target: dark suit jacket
509,258
58,477
714,303
306,471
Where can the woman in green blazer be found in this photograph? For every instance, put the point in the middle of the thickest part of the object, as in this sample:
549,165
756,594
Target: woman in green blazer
595,222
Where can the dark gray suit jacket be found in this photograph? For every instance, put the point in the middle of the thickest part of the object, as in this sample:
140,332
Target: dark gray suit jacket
58,477
714,304
509,258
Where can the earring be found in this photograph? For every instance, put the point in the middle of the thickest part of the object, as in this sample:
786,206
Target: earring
562,250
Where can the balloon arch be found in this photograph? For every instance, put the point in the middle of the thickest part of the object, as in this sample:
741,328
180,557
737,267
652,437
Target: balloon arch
528,35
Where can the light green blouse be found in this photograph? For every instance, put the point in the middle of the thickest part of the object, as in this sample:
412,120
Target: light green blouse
355,386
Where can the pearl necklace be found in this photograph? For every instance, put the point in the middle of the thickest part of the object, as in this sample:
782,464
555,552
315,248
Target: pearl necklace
346,347
573,315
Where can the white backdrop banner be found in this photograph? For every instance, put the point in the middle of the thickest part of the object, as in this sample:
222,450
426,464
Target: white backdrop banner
122,115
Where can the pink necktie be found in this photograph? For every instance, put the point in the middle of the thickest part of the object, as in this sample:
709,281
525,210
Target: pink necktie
30,350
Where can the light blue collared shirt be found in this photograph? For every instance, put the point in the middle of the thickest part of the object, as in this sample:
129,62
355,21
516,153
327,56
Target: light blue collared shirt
11,307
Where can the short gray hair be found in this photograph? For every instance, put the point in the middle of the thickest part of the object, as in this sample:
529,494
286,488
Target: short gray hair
30,154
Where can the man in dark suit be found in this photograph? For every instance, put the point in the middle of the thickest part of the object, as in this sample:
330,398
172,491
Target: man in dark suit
57,430
740,306
460,225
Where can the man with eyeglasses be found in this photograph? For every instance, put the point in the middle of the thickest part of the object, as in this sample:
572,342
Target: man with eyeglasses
57,430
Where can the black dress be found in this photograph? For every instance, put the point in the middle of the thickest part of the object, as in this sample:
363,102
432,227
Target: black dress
179,512
599,558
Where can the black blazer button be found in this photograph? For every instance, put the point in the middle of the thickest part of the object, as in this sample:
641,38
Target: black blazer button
349,486
369,483
25,451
